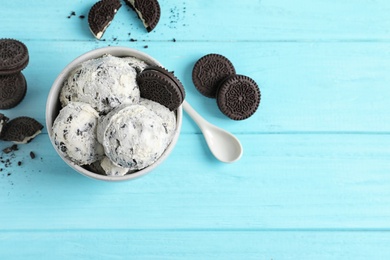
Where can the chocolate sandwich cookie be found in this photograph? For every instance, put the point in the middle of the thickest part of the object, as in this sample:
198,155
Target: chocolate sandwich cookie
159,85
101,15
209,71
21,130
13,56
238,97
148,12
13,88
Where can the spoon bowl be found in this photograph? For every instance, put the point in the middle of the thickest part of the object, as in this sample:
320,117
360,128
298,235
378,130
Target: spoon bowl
223,145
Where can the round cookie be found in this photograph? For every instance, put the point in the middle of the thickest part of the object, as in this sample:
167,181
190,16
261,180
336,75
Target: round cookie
238,97
13,56
158,84
209,71
100,16
13,88
148,11
21,130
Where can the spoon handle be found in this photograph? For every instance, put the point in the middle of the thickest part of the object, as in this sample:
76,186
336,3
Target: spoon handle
199,120
223,145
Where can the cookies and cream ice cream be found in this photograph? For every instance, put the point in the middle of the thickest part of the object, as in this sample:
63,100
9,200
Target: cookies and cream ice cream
74,133
167,116
137,64
105,124
111,169
104,83
133,137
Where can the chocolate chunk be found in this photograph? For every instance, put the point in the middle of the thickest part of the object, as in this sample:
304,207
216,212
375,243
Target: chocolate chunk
11,148
158,84
21,130
13,88
209,71
101,15
13,56
238,97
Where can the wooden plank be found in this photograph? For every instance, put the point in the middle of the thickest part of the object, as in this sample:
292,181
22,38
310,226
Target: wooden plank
246,20
322,87
118,244
282,182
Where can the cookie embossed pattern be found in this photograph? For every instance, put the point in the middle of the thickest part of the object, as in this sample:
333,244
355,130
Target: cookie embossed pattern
238,96
13,56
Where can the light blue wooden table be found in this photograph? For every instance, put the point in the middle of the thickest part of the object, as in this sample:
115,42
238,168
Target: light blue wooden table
314,180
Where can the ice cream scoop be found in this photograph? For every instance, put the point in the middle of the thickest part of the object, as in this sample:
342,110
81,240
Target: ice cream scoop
105,83
74,133
133,136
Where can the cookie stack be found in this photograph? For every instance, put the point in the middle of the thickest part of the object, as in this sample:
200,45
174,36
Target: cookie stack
13,59
13,87
238,96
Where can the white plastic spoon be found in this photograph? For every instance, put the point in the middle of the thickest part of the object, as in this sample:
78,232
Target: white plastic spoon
223,145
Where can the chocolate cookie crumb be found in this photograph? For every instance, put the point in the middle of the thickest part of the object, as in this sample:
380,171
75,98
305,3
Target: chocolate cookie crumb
19,163
82,16
32,155
73,13
10,148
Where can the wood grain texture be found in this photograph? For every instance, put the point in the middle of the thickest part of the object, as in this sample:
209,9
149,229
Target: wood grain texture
291,181
126,244
321,87
313,182
246,20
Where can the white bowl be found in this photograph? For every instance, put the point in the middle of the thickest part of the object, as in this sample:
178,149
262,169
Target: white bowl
53,107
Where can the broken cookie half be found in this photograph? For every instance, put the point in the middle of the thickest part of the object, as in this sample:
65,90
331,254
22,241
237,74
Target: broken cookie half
101,15
148,11
21,130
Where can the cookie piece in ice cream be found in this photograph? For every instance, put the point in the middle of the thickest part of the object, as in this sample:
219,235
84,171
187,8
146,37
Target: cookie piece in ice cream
74,133
14,56
100,16
133,136
158,84
147,10
104,83
13,89
21,130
